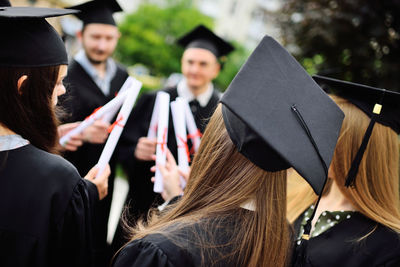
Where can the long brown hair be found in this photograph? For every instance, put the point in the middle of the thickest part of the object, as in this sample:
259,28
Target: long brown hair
29,111
376,192
220,181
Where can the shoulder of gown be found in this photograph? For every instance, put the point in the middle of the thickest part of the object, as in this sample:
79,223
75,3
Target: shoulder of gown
153,250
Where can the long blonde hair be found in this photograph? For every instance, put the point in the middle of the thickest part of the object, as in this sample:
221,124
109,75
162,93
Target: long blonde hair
376,191
220,181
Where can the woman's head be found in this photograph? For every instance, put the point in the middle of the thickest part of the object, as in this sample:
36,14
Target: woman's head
33,63
376,190
27,102
221,180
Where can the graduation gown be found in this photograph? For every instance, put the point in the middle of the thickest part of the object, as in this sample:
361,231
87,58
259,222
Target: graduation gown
338,246
45,210
82,98
141,195
157,250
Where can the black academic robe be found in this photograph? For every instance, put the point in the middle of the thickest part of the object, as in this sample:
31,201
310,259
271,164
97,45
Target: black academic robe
141,196
45,211
338,246
82,98
181,246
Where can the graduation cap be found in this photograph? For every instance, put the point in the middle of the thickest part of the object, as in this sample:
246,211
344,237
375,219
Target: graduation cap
4,3
98,11
202,37
29,40
380,105
278,117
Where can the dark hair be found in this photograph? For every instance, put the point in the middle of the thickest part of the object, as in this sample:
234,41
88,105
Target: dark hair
29,111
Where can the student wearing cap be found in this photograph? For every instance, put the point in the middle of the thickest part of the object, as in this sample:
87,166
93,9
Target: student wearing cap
357,220
200,65
233,211
93,79
45,206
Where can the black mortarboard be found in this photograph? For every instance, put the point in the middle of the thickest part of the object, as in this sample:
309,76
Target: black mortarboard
98,11
29,40
4,3
278,117
380,105
202,37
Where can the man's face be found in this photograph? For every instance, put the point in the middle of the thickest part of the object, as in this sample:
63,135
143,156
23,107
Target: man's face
99,41
200,67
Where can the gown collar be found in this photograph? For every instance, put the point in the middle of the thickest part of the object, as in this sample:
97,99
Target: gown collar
12,141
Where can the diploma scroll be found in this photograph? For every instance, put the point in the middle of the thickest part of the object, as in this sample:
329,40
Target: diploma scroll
152,133
162,116
194,132
178,117
109,107
129,101
127,84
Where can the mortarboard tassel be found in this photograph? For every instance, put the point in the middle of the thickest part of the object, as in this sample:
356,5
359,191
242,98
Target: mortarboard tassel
301,250
351,176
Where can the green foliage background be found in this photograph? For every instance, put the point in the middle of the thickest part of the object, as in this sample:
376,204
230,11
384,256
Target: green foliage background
148,37
355,40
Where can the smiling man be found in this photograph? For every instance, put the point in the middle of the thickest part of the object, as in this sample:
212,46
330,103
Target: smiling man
200,66
93,80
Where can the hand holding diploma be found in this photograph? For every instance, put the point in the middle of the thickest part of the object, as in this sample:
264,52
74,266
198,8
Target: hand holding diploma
145,148
171,177
75,141
100,181
98,114
97,133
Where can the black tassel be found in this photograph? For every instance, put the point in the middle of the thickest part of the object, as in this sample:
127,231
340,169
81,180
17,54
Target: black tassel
351,176
300,253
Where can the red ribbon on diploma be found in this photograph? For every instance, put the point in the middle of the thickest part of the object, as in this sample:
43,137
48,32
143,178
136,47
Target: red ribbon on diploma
164,140
185,145
192,136
116,122
94,111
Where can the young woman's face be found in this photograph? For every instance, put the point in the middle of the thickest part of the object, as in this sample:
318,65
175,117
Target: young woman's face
59,89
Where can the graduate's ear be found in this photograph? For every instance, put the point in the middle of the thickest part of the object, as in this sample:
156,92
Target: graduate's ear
79,35
21,80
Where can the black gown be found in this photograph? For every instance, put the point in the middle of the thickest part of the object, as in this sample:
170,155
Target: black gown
82,98
141,196
157,250
45,210
338,245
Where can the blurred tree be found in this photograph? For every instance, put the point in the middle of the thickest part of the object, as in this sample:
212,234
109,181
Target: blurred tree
148,37
355,40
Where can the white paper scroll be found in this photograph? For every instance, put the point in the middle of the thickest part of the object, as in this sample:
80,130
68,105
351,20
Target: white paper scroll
129,101
109,107
178,117
194,132
152,133
129,82
161,115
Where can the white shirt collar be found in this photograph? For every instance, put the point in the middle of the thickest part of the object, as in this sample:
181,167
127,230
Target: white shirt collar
184,91
103,83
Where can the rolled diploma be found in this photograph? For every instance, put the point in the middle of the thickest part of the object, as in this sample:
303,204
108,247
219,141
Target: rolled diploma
123,115
178,118
152,133
192,127
162,137
127,84
116,102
